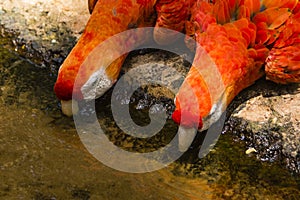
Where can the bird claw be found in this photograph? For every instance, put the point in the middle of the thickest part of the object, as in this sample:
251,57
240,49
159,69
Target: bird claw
185,138
69,108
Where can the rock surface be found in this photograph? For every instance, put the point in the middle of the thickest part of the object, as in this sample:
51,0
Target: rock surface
43,31
265,116
269,123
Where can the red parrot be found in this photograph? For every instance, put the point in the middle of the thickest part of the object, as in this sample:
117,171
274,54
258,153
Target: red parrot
240,37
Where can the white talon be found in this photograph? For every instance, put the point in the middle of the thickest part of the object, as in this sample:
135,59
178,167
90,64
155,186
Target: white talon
185,138
69,107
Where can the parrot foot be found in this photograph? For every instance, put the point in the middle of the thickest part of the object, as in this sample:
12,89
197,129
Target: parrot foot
69,108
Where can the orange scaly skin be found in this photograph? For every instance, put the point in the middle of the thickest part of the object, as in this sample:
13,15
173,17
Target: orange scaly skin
239,36
108,18
228,49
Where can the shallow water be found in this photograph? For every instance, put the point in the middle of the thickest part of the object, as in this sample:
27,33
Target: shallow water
42,157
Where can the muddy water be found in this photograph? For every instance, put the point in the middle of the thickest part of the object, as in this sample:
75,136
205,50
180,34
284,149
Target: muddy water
42,157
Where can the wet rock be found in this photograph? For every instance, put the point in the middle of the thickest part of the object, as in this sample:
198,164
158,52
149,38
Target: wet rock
42,31
270,124
154,77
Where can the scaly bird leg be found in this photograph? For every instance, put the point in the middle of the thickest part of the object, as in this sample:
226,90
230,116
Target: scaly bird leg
217,81
108,18
239,37
224,64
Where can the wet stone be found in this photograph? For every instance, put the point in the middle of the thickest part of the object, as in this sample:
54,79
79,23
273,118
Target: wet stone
269,123
45,36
